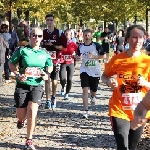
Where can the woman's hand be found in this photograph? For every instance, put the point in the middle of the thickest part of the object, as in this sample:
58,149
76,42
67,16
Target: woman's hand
8,56
90,56
45,76
141,81
112,83
78,57
22,78
49,43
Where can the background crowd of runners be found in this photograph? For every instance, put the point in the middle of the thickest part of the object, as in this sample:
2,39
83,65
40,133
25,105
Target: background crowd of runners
39,57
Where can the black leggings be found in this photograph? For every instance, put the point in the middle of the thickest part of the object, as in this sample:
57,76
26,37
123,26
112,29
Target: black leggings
70,70
126,138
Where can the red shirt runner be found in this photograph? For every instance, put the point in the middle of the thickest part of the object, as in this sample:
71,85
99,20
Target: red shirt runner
69,53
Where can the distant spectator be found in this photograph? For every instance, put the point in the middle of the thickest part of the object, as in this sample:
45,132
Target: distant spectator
4,44
14,40
7,36
23,33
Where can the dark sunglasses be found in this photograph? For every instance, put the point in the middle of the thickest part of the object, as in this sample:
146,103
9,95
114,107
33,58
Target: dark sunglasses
49,19
35,36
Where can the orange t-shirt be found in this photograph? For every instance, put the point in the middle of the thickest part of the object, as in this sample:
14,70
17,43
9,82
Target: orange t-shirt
128,94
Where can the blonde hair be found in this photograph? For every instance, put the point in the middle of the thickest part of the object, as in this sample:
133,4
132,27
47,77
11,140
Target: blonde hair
34,29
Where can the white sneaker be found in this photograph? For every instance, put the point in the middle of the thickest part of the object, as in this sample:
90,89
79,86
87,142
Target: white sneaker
12,74
93,100
85,116
8,81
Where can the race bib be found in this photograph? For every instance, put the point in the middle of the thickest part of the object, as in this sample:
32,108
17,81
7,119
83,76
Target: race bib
33,72
53,54
67,57
90,63
131,100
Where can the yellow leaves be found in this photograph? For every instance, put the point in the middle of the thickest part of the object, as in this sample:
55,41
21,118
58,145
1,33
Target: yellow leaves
68,10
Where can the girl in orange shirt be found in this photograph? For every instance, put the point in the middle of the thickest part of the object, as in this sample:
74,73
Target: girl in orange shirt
132,72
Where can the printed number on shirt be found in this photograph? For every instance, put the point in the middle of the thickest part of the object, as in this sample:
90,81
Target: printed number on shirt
67,57
130,100
33,72
53,54
89,63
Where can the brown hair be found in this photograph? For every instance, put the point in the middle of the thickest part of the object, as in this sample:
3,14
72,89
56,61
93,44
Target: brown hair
130,28
49,15
128,33
87,30
4,28
67,30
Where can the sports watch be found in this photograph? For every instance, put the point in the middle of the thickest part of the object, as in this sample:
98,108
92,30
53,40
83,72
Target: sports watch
17,75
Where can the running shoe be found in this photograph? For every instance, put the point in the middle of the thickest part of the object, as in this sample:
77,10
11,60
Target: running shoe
48,104
8,81
66,97
93,100
53,102
85,116
21,124
62,92
29,145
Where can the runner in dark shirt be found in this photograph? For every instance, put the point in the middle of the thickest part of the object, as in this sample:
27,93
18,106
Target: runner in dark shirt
120,42
106,42
54,41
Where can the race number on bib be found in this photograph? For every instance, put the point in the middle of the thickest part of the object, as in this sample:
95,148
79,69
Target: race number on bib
53,54
130,100
33,72
90,63
67,57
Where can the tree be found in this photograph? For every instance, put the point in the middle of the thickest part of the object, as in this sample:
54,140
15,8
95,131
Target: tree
73,11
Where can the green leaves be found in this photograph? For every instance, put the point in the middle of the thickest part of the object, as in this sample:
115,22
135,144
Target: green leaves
71,11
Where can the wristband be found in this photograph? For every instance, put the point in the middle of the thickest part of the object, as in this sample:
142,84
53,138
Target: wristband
17,75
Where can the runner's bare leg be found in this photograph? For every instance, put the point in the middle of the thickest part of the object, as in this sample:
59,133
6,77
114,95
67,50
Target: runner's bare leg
54,87
85,97
47,89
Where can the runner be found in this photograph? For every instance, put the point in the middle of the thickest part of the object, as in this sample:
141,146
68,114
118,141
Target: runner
120,40
106,35
67,65
54,41
132,70
22,31
35,65
79,36
97,35
146,44
90,52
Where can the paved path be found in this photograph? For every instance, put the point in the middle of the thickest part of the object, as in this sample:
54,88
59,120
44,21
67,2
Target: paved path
62,129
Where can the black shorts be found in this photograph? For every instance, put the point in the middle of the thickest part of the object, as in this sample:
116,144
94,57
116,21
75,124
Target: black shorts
55,73
106,47
107,50
89,81
25,93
